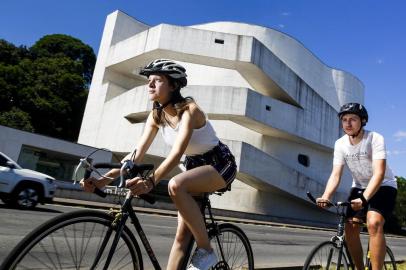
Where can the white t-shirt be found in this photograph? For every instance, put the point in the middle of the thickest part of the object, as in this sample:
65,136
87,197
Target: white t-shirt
359,158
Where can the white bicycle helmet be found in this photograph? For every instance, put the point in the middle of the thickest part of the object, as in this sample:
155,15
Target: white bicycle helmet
168,67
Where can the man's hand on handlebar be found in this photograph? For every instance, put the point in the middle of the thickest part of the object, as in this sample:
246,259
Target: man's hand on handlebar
139,186
356,204
323,202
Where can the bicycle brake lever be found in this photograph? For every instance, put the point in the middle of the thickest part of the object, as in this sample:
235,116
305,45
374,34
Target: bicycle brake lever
82,164
128,164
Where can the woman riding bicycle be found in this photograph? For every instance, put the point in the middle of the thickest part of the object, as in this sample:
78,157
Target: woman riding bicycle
210,166
374,187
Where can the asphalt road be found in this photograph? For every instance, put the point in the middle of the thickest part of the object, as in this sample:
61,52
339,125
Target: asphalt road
273,245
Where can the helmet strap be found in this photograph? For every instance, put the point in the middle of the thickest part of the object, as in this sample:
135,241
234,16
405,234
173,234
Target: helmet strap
356,135
159,107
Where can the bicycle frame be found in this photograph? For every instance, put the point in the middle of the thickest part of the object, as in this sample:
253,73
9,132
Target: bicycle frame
339,238
127,211
120,219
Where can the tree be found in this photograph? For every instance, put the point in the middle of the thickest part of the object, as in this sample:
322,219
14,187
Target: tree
54,46
16,118
400,209
44,88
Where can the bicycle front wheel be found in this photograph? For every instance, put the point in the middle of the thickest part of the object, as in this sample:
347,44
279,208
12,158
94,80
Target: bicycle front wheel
389,263
74,241
326,256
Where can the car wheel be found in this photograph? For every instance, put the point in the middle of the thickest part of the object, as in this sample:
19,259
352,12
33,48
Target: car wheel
26,197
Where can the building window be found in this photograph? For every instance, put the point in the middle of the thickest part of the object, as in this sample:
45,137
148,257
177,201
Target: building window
268,108
59,165
219,41
304,160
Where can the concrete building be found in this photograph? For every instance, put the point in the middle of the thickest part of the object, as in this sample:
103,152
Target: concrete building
268,97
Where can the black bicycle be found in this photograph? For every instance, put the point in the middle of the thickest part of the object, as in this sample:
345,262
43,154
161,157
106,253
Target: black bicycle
334,254
91,239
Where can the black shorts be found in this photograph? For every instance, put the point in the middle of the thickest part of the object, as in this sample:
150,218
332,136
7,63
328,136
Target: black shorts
220,157
382,202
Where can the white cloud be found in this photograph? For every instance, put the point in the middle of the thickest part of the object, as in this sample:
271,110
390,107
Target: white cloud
286,13
396,152
400,135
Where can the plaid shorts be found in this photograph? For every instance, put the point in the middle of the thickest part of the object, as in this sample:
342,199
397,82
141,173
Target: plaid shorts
220,157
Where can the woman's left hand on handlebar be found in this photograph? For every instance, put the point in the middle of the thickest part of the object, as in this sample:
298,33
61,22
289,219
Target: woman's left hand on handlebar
139,186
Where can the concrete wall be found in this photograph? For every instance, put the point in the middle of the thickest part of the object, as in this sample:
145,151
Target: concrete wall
11,141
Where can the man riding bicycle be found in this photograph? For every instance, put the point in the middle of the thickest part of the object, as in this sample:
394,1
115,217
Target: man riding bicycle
374,187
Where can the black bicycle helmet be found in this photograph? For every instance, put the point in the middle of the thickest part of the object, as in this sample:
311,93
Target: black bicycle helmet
354,108
168,67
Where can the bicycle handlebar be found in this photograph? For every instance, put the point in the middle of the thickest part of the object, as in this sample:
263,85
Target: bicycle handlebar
132,168
336,204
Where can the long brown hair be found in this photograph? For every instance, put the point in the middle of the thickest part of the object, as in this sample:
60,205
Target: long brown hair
179,102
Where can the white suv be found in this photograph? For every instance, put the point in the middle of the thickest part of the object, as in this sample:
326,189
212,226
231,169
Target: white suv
23,188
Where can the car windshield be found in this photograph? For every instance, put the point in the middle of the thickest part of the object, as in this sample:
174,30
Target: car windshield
4,159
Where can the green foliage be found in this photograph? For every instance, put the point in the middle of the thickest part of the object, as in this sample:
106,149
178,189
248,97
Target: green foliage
44,88
400,208
16,118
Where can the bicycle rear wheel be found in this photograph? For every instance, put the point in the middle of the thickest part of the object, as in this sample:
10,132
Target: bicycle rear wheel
325,257
72,241
389,263
233,249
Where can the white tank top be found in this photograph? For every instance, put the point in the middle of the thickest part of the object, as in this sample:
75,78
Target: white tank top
203,139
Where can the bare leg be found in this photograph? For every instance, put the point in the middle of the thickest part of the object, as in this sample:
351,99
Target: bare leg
182,238
352,231
198,180
377,243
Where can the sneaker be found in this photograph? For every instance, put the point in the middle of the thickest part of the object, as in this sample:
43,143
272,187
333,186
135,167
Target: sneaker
202,259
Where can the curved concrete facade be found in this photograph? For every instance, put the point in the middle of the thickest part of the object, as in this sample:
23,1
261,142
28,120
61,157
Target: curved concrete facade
331,84
268,97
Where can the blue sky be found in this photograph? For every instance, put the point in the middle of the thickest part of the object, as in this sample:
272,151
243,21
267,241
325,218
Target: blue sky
365,37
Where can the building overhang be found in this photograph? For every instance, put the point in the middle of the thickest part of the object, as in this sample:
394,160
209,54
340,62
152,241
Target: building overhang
255,62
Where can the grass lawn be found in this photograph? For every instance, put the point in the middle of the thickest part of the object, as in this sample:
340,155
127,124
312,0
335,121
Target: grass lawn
401,266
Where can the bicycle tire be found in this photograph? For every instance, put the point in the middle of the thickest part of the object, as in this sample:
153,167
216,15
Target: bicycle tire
71,241
325,257
235,245
389,263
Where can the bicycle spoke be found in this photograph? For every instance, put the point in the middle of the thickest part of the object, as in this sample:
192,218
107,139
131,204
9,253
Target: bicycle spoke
68,245
236,252
325,256
56,249
41,262
72,241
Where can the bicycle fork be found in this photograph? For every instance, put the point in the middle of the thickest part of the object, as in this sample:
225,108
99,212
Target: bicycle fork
118,223
368,265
